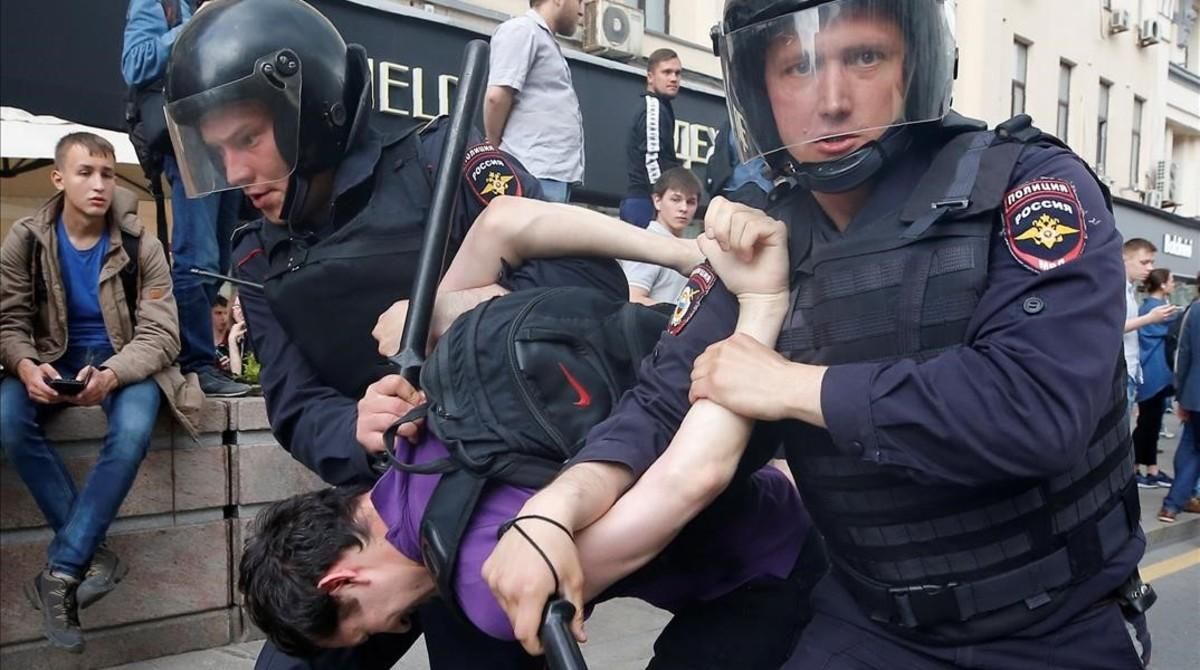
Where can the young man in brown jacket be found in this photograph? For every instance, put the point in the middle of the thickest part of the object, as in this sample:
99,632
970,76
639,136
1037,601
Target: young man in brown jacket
84,323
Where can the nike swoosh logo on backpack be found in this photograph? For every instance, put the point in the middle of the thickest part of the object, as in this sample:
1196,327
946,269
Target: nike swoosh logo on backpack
585,398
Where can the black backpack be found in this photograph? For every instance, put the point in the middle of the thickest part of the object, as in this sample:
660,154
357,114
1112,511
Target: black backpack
512,388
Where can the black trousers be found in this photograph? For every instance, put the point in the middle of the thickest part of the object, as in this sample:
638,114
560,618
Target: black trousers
1149,423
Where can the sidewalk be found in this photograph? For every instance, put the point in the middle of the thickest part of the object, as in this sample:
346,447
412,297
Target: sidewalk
622,632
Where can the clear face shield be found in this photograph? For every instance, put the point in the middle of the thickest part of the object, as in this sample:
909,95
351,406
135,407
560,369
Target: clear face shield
822,82
240,134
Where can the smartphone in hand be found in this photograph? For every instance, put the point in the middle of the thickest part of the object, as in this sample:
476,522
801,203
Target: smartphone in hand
67,386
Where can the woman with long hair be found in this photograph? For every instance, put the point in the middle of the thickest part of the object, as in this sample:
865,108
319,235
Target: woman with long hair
1156,384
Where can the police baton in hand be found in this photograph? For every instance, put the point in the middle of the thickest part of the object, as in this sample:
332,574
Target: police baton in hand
562,652
471,84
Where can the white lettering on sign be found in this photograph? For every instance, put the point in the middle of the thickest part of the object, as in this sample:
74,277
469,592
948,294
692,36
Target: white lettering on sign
1177,245
693,142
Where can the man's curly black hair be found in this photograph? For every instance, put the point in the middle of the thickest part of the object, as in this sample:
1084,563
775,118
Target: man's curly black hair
293,544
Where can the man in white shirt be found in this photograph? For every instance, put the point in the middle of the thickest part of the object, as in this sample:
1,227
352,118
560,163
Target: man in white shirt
530,109
1138,254
676,195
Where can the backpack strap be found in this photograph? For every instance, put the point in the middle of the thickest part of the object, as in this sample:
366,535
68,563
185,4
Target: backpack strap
442,528
129,274
956,182
36,275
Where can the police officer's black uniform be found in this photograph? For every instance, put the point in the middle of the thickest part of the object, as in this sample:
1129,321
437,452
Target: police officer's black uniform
974,482
325,284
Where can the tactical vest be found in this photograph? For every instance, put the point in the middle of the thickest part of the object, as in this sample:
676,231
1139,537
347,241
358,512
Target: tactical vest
936,562
328,293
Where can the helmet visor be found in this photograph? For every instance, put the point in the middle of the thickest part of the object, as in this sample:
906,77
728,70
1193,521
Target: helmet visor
239,134
821,82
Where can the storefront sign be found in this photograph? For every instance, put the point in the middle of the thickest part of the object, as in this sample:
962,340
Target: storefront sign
1177,245
414,62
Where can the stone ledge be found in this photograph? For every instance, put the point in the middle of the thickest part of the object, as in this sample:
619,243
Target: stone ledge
175,570
126,644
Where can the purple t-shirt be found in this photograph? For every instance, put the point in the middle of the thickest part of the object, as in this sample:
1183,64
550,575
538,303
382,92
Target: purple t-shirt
758,534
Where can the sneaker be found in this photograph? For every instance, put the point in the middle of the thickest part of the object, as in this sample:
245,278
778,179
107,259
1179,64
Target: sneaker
1166,516
1166,434
216,385
54,595
103,575
1144,481
1162,480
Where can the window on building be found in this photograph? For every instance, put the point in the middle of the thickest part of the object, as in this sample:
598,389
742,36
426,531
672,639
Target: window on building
656,12
1102,127
1020,69
1135,147
1064,99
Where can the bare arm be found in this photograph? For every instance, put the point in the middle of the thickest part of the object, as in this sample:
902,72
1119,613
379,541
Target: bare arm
696,467
640,295
518,229
1157,315
515,230
497,105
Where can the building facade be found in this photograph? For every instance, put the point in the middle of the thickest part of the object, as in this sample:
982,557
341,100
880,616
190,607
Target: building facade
1119,80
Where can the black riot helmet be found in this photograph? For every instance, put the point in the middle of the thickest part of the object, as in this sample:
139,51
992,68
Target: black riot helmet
806,80
280,62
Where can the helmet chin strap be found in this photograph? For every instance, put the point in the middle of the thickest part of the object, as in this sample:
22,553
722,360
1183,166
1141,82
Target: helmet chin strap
293,204
854,169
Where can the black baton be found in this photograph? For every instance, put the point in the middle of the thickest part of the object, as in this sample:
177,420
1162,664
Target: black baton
231,280
471,84
562,651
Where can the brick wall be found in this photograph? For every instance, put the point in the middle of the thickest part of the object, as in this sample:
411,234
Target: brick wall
179,530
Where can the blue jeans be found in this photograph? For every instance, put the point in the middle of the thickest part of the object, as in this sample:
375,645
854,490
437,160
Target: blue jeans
554,190
199,239
1187,467
80,519
638,210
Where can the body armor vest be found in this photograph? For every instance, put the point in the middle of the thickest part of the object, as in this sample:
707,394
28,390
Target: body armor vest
933,561
328,293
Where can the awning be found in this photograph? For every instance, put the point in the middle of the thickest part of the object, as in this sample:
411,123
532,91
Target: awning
26,136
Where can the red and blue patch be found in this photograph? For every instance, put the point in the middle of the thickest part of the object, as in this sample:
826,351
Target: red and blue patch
1044,224
490,173
699,283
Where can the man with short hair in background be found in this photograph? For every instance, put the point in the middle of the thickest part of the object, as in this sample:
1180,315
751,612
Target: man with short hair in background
1138,255
530,110
1183,495
87,318
651,145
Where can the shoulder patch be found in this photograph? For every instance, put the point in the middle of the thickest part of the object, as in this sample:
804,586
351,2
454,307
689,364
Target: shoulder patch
699,283
1044,224
490,173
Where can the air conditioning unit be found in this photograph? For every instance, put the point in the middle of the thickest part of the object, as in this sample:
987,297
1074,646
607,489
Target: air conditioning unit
1150,33
1153,198
613,30
1118,21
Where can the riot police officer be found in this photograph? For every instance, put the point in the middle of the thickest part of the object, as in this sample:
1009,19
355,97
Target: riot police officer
948,379
266,97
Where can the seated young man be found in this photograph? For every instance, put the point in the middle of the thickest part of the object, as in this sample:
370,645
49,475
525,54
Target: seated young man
331,568
84,323
676,196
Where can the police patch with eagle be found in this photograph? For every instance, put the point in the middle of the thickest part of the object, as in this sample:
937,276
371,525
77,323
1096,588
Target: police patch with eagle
1044,224
490,173
699,283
